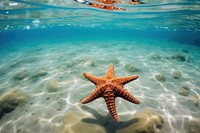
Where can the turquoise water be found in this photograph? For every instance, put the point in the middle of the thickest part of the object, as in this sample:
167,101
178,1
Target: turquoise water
45,46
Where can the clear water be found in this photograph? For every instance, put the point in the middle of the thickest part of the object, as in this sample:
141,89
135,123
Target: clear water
156,14
65,39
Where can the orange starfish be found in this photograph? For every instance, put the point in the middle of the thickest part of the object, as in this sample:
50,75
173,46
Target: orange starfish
109,87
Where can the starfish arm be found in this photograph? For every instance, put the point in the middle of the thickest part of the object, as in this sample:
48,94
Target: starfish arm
111,73
127,96
109,97
125,80
94,95
92,78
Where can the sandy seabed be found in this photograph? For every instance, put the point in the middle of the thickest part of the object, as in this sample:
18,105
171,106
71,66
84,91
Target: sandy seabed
41,85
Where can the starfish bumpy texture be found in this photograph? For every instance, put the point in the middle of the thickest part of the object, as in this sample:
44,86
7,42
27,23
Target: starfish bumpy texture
109,87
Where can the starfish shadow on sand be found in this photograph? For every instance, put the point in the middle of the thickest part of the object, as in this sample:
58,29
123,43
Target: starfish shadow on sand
110,125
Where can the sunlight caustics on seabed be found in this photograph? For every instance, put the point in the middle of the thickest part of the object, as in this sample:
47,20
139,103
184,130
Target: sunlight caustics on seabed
46,45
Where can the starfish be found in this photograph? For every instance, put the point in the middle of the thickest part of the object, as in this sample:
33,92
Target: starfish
109,87
108,4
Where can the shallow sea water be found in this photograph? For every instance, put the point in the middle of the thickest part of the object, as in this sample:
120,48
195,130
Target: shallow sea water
51,52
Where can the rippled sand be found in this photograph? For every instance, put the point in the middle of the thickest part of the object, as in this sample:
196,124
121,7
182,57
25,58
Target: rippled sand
50,74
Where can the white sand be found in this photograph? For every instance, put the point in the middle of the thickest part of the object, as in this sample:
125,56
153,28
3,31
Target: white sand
65,62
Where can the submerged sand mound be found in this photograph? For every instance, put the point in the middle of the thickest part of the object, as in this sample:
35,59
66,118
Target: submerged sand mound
180,57
52,85
39,73
160,78
191,125
21,74
145,121
195,99
187,92
131,68
184,91
73,124
11,100
177,74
